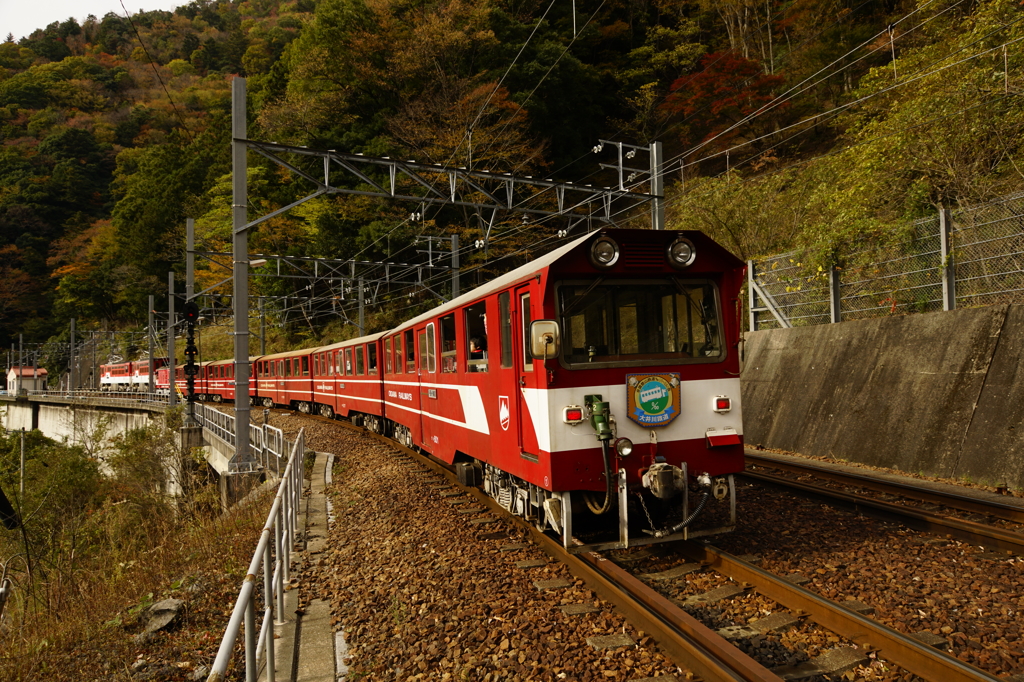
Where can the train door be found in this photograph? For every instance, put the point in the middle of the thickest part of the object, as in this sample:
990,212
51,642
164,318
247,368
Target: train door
508,398
426,343
523,361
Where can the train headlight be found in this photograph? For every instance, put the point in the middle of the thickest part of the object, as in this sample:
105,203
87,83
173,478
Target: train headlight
624,447
604,252
721,404
681,253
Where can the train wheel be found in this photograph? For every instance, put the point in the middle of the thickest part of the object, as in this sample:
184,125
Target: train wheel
268,402
218,398
327,411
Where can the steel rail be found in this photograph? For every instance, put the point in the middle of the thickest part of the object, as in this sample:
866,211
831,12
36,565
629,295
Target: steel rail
995,508
969,531
899,649
687,641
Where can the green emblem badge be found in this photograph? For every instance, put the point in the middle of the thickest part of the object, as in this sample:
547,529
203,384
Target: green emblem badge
652,399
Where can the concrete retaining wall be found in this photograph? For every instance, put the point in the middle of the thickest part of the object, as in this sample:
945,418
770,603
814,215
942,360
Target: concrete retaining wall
76,422
939,393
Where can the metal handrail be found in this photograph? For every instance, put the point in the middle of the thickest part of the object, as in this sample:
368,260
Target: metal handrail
267,443
273,551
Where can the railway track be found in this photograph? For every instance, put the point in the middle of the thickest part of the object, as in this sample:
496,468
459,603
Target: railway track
708,653
919,491
975,533
689,642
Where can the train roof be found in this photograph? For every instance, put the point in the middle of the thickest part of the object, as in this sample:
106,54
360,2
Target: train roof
231,361
526,271
369,338
287,354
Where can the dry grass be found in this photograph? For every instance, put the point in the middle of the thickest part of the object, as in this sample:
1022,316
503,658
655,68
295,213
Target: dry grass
83,622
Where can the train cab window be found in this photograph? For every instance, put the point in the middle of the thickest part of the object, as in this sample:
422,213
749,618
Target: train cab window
305,365
448,361
359,361
640,321
505,321
410,353
388,365
526,314
371,358
348,361
475,319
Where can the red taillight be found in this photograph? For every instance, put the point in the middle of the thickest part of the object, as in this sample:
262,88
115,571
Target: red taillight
572,415
722,404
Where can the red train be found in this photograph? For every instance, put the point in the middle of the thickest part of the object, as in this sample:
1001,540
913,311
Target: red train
129,376
595,388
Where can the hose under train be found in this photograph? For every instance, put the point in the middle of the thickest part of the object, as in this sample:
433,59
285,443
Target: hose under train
608,485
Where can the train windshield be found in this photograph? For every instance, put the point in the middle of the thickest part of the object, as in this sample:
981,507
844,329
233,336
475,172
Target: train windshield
640,321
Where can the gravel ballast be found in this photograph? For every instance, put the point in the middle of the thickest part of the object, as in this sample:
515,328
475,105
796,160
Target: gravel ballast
423,593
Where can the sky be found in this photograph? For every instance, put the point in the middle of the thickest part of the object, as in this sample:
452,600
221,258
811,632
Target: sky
21,17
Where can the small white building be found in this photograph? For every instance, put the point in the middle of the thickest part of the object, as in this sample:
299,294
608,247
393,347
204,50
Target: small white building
32,379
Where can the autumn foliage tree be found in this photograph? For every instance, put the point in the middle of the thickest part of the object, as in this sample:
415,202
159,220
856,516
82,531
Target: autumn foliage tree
728,100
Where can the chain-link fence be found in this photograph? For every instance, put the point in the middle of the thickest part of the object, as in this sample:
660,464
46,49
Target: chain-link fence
984,246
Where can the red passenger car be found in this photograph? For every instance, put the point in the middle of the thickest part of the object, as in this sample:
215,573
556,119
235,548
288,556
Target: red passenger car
284,379
347,381
216,381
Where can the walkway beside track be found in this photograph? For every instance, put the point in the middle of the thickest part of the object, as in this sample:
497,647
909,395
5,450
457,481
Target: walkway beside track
305,650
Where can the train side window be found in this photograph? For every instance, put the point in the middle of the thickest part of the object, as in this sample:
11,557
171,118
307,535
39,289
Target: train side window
505,321
348,361
335,365
305,365
422,336
410,353
475,319
359,361
316,364
387,356
526,314
371,358
431,348
448,361
399,360
288,367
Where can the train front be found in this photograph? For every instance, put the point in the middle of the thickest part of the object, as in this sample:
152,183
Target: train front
643,411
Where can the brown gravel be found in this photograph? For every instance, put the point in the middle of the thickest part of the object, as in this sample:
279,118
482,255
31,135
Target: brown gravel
422,594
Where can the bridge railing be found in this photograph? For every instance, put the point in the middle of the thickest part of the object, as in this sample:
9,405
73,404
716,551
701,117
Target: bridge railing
124,397
273,559
268,444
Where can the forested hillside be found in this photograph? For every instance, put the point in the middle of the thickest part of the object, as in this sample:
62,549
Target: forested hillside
800,123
